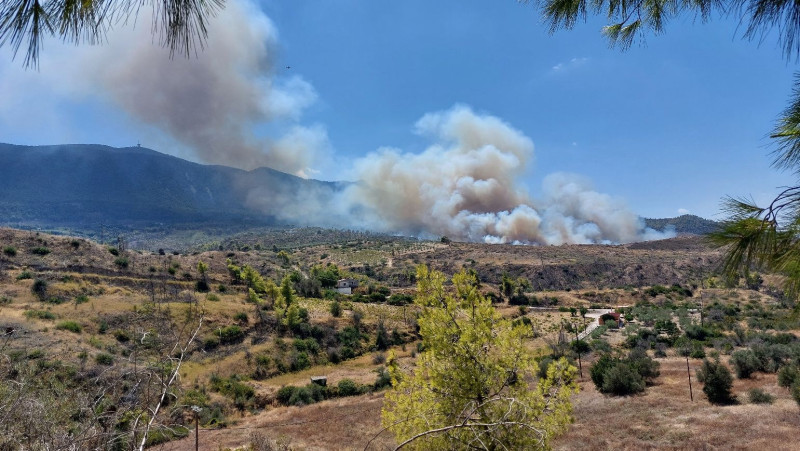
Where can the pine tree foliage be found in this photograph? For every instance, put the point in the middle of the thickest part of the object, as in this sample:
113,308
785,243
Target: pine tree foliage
181,25
474,385
630,20
769,237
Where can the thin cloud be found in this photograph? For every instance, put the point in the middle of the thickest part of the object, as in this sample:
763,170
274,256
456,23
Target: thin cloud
573,63
683,211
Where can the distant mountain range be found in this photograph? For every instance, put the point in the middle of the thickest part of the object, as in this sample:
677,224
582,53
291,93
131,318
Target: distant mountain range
86,187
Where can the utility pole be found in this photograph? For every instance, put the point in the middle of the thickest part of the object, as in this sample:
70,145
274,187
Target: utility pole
689,373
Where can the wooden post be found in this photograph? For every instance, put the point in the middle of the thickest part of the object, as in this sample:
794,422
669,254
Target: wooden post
689,373
196,411
580,365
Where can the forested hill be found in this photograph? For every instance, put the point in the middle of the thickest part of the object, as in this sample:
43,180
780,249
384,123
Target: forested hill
86,186
684,225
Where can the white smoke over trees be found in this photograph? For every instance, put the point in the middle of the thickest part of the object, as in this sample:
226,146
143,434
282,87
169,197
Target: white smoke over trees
465,186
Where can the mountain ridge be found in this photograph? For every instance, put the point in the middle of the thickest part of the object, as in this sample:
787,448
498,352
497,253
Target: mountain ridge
87,187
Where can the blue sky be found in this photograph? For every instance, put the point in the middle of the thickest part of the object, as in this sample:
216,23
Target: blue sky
673,124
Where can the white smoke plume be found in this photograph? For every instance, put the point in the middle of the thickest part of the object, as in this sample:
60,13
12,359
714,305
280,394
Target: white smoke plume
230,106
465,186
215,103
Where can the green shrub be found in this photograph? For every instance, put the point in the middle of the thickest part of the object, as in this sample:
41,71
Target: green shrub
241,317
71,326
104,359
717,382
81,299
11,251
212,297
383,380
347,387
122,262
202,286
113,251
122,336
230,334
231,387
41,250
745,363
336,309
39,289
622,379
788,375
627,376
40,314
25,275
795,390
759,396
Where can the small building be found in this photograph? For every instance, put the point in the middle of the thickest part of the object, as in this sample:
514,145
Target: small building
319,380
345,286
609,316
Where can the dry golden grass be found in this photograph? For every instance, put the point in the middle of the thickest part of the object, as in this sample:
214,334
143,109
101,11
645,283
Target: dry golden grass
341,424
664,417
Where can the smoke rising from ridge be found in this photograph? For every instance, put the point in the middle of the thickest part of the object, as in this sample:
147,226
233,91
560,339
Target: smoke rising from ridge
228,104
465,186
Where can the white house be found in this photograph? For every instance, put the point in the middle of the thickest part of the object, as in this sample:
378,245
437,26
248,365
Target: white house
345,286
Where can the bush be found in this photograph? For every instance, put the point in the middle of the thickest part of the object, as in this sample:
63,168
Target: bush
717,382
796,392
39,289
40,250
242,394
202,286
788,375
745,363
336,309
622,379
11,251
347,387
113,251
617,376
104,359
759,396
122,262
40,314
71,326
231,334
25,275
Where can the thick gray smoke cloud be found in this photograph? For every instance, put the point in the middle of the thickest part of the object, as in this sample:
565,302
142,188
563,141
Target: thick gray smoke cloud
465,186
215,104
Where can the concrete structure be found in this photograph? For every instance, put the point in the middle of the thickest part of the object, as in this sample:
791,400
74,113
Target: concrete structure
345,286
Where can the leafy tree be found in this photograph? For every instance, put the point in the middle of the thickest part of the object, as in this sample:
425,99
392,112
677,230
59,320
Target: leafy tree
471,384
